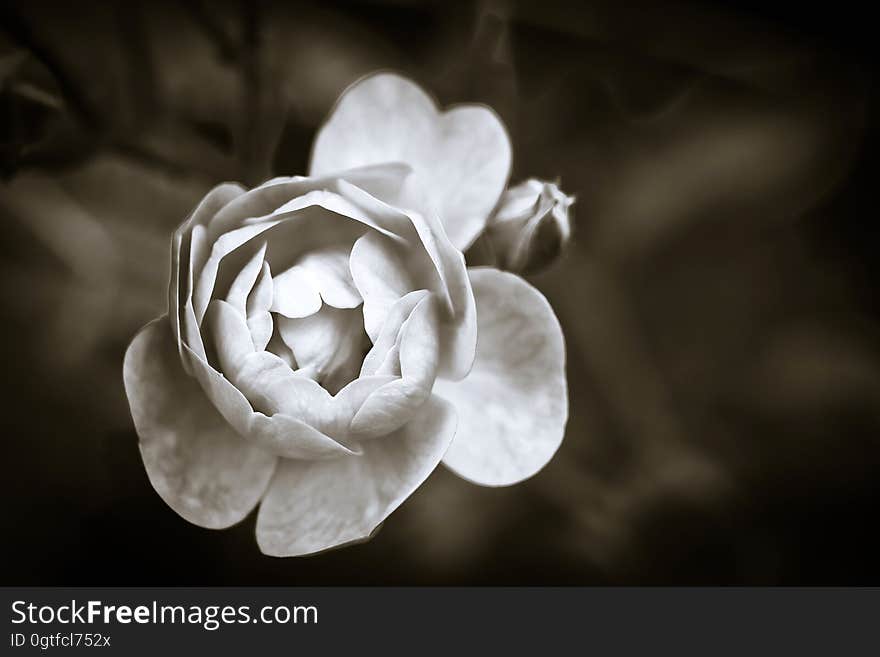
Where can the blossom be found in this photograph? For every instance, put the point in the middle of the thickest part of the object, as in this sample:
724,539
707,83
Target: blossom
325,346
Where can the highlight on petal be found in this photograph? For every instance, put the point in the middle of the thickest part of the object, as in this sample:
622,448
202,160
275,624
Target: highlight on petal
513,406
195,460
317,505
460,158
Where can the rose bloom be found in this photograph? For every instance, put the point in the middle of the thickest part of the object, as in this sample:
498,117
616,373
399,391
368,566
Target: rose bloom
325,347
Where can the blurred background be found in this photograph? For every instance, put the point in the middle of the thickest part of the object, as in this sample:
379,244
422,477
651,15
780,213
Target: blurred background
718,297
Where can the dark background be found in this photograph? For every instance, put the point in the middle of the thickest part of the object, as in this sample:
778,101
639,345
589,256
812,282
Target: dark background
717,299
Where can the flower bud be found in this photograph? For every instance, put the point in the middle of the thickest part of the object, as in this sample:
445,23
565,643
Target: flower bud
530,227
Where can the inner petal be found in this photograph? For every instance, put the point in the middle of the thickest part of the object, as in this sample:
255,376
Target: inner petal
259,301
331,275
320,276
328,346
296,294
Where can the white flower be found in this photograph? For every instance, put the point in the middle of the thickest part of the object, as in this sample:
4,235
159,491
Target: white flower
325,347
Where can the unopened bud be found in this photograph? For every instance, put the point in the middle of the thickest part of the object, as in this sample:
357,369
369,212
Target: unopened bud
531,226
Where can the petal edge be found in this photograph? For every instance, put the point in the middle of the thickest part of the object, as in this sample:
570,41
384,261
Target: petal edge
315,506
513,406
196,462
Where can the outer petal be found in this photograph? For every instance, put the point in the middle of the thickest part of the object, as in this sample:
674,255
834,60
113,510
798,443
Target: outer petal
513,406
384,180
316,505
461,158
185,243
196,462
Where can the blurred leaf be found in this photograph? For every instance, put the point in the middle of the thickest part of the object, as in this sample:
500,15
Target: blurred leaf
30,109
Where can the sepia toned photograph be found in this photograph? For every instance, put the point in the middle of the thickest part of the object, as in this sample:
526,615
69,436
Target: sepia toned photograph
421,293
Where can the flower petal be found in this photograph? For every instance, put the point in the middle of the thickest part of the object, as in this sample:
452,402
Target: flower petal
262,398
195,460
260,298
329,269
316,505
382,277
184,245
435,265
312,222
393,404
513,406
384,180
328,345
460,158
296,295
388,337
280,434
259,319
206,278
245,280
